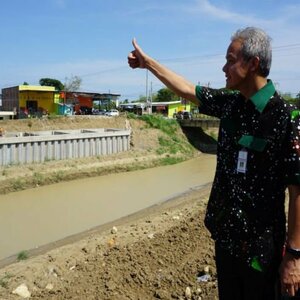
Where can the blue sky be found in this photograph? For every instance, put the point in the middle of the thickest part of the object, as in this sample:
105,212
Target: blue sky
92,38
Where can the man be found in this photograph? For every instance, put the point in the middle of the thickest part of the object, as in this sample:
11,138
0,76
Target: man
258,157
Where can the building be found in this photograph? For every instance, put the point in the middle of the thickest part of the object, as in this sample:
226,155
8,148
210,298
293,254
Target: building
31,100
167,109
27,100
84,102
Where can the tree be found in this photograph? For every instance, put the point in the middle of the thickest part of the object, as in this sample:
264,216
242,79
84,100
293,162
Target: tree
72,84
25,83
52,82
142,99
166,95
290,99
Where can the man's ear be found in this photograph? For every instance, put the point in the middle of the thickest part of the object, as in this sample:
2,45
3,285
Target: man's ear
254,64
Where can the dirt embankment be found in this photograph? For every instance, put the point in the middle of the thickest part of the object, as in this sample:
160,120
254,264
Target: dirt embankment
163,252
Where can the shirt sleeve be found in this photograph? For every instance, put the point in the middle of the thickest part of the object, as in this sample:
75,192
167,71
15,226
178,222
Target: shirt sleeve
293,154
213,101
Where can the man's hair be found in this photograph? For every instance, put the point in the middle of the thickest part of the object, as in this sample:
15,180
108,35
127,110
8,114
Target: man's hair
255,42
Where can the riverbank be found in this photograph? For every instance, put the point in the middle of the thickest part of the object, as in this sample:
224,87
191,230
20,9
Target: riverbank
152,144
163,252
159,253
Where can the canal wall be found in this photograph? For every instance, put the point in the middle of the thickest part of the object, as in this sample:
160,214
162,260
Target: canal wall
41,146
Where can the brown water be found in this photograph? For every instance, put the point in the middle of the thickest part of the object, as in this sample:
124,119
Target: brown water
35,217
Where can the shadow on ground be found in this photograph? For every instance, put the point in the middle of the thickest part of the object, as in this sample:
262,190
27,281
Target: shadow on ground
200,140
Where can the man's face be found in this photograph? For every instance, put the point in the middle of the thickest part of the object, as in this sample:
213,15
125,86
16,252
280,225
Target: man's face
236,68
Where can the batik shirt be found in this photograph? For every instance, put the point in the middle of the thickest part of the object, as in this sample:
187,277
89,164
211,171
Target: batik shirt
257,157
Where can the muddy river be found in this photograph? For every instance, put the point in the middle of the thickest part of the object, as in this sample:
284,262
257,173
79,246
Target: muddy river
35,217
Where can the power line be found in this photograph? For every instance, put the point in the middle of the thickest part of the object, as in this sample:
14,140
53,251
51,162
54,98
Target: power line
191,58
104,71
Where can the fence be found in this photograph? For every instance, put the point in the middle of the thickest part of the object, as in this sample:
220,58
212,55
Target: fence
40,146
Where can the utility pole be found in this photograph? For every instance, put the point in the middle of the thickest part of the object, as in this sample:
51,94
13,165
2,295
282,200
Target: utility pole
151,97
147,95
147,85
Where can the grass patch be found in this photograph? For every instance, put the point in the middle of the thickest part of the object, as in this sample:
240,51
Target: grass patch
131,116
171,160
168,126
4,280
58,176
23,255
173,145
18,184
38,178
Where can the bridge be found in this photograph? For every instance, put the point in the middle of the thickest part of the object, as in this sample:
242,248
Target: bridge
203,123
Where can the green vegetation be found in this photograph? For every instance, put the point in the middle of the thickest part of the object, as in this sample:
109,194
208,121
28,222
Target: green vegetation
169,160
23,255
171,142
52,82
18,184
4,280
292,100
38,178
166,95
168,126
173,145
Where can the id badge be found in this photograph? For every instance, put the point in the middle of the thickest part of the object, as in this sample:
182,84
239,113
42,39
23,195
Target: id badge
242,161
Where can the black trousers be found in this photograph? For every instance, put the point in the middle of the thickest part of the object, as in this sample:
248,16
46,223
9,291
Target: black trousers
238,281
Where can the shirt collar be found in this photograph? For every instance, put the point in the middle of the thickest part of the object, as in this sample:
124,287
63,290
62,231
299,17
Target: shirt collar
261,98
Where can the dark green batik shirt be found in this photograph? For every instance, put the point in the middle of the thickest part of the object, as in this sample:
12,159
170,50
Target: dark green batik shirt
245,213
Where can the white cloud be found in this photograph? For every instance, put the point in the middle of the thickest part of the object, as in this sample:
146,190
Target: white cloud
207,8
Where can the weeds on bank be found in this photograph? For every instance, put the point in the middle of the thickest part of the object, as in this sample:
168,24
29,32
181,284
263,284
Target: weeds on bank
165,125
170,160
173,145
170,143
168,126
23,255
4,280
18,184
38,178
58,176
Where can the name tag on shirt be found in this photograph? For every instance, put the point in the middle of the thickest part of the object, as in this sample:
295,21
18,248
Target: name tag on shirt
242,161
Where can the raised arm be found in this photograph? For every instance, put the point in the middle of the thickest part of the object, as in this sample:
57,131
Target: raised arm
179,85
290,267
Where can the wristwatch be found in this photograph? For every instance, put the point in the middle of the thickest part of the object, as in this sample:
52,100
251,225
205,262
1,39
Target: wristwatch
294,252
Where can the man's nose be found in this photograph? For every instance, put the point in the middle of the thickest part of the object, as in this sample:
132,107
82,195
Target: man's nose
224,68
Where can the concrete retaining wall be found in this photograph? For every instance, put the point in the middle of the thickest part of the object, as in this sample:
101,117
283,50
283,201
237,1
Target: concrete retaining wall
40,146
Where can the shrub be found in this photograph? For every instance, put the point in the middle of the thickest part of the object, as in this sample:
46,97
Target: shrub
23,255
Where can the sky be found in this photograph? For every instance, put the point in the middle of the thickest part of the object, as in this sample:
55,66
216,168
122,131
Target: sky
92,38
